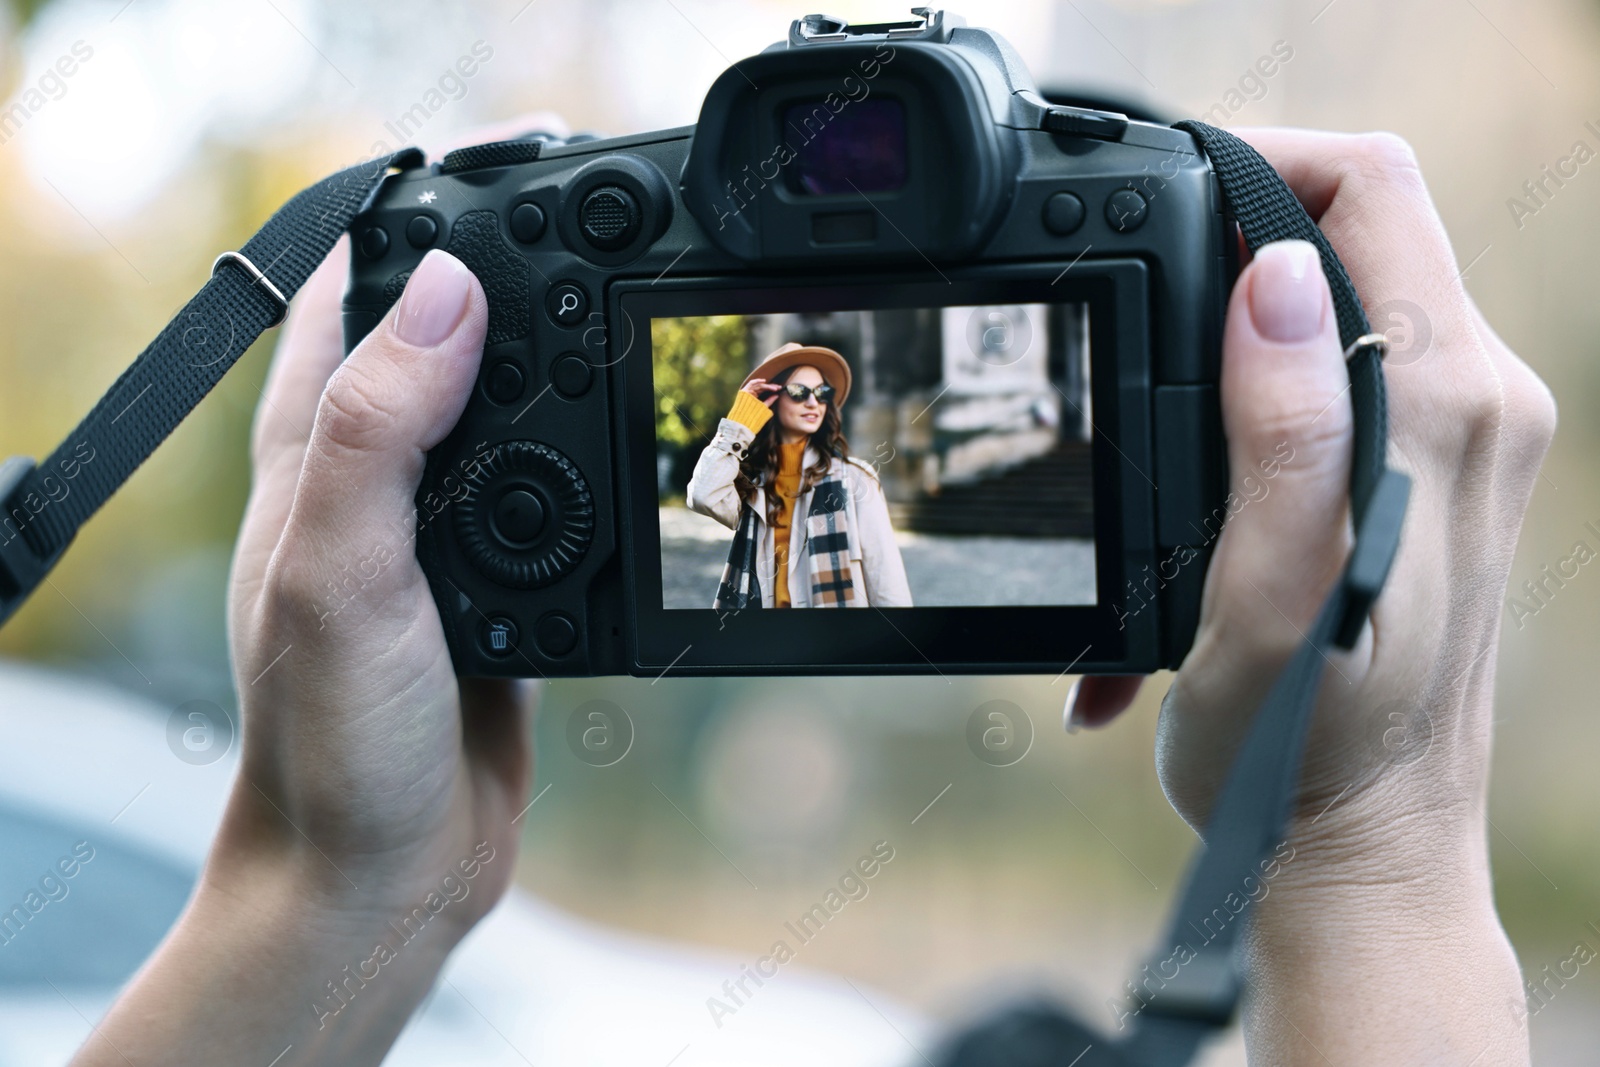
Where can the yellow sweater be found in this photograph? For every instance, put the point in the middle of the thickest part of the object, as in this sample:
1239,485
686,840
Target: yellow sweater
752,413
749,411
786,486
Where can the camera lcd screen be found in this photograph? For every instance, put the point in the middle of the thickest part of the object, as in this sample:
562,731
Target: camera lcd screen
860,148
892,457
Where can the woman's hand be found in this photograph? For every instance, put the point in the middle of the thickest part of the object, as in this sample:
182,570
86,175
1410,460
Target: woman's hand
1389,830
756,387
1468,420
376,793
373,819
365,761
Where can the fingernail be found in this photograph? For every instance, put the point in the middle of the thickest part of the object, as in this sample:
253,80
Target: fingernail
435,301
1069,716
1287,292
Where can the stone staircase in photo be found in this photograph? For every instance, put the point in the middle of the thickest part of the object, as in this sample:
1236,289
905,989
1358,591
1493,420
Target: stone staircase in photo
1048,496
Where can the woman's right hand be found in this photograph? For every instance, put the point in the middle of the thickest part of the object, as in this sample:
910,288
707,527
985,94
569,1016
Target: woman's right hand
757,386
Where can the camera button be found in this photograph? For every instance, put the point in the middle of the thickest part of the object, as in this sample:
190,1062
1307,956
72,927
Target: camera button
374,242
504,536
567,304
1126,210
1063,214
504,383
421,231
572,376
527,223
610,218
556,635
519,518
499,636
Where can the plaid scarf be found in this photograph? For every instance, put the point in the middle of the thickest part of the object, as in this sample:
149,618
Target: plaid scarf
740,588
827,552
828,545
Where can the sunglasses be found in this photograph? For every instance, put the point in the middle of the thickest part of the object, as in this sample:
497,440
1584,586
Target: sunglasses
801,393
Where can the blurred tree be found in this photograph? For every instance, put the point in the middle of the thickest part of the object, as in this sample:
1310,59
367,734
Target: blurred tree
24,10
699,363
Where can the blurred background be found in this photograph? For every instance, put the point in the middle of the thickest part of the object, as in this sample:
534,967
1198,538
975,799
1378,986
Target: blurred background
739,804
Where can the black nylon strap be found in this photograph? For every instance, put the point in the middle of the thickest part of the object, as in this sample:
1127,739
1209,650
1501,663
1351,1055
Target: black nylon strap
1192,985
1246,825
1267,211
1190,989
184,363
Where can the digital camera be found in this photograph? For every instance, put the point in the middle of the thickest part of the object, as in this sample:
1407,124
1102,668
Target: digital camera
885,330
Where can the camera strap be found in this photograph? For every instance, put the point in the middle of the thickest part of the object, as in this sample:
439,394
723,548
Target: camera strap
1189,988
1192,985
248,294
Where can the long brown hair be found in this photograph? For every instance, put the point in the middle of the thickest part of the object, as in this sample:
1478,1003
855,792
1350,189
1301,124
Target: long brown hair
760,463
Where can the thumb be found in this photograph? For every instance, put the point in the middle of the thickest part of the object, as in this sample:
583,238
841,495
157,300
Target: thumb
396,396
1286,414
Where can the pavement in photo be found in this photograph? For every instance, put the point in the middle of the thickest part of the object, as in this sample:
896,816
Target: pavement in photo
943,571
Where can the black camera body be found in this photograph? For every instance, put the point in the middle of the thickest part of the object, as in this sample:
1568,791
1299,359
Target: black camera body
862,179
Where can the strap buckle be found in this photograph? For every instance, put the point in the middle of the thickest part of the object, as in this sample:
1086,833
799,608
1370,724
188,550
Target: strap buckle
21,570
1376,341
1205,990
1377,543
256,278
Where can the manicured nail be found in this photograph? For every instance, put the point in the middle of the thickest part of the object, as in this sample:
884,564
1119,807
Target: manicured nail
1069,716
1287,293
435,301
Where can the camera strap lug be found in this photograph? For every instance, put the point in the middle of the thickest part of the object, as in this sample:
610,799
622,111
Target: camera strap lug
1084,122
1033,112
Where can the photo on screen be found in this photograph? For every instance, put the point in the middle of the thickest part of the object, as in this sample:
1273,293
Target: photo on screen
888,458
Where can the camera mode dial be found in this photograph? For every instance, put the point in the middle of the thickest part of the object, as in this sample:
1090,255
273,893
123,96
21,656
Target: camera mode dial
527,518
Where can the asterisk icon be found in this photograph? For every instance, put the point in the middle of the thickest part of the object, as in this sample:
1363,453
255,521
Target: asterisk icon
428,197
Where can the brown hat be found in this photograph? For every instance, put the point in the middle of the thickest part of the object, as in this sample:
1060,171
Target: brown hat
830,364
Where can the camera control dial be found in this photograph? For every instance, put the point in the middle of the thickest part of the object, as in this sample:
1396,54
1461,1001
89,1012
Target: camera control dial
527,517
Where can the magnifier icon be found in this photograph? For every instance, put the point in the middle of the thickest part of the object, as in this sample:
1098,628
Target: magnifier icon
566,304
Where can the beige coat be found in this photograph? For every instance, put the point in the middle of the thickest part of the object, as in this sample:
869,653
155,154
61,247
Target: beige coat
877,573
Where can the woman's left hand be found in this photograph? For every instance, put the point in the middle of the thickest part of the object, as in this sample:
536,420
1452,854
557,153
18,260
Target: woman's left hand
375,788
1388,833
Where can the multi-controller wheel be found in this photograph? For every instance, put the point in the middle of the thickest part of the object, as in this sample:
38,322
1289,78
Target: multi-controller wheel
527,518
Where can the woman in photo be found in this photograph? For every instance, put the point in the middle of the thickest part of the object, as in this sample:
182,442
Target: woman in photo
811,524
